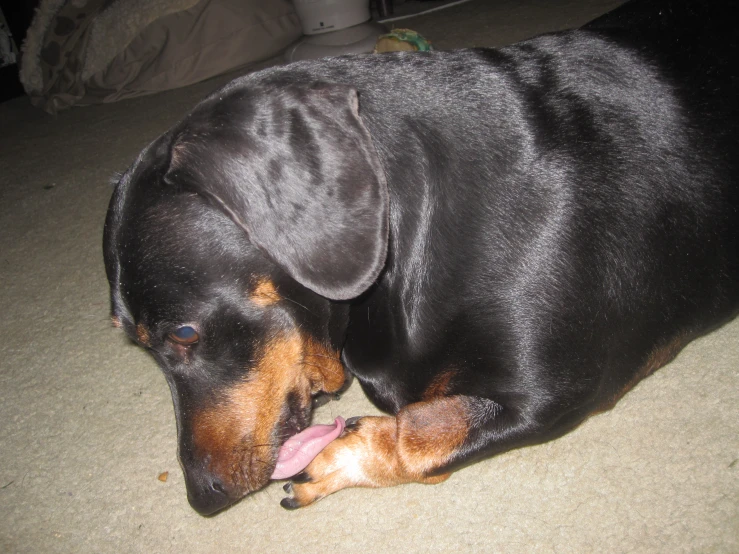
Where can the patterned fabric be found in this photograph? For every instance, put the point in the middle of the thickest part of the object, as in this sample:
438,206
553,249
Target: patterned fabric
60,57
91,51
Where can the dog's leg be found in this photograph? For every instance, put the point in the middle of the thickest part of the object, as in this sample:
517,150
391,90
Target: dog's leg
417,445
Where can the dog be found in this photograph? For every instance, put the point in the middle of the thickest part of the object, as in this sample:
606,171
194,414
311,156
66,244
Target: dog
496,243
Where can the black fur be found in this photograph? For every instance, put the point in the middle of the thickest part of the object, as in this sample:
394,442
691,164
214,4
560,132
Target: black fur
541,218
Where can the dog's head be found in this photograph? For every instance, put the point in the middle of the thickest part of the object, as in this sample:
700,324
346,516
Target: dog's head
226,245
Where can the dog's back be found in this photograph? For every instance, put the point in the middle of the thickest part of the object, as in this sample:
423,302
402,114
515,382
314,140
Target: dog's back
597,202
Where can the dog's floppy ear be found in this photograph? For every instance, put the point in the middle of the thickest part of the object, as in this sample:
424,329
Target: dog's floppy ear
297,170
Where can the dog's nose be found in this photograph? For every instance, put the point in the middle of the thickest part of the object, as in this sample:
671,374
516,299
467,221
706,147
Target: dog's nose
207,495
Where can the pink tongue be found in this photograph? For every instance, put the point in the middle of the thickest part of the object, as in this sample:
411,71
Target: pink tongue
299,450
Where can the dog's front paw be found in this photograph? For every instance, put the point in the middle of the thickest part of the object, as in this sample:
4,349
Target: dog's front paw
363,456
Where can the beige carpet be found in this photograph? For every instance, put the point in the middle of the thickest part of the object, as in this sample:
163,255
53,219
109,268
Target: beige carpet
86,424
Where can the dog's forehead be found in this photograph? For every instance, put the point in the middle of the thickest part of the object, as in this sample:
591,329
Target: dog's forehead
176,251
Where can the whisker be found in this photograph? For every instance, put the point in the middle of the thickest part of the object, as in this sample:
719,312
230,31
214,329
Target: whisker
267,445
312,355
314,365
298,304
115,178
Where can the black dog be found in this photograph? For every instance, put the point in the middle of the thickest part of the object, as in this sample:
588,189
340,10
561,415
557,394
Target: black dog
496,243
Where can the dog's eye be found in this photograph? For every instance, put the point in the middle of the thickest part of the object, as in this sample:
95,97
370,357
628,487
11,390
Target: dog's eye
185,335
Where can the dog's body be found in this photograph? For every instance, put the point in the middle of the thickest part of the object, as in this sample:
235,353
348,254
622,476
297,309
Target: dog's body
497,242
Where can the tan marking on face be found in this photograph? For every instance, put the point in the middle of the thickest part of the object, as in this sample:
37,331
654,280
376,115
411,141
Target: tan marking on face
142,333
323,366
264,293
237,433
439,386
116,321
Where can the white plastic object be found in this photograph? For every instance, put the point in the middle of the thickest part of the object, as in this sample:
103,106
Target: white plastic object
324,16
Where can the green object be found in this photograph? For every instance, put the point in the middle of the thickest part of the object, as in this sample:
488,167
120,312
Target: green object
402,39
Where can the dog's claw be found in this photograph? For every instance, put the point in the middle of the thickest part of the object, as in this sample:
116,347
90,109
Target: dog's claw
321,399
288,487
289,504
352,422
301,478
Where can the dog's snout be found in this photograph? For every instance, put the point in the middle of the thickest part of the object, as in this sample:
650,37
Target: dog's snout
206,494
